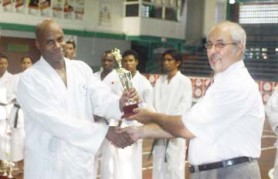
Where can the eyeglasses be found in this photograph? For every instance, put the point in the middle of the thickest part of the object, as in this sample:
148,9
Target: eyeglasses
218,45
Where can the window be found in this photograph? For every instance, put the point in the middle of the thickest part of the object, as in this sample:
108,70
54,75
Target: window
259,13
160,9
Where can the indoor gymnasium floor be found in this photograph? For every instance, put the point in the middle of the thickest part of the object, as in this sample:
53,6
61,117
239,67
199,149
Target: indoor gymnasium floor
266,160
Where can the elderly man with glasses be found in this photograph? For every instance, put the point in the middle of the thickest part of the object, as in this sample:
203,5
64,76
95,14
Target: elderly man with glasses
225,126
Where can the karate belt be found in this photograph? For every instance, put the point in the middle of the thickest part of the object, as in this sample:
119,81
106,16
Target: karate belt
221,164
16,114
3,104
155,141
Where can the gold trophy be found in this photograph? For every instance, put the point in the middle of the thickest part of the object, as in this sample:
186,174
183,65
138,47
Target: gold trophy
6,169
126,81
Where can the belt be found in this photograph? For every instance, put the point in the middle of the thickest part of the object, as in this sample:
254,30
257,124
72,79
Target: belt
155,141
3,104
221,164
16,105
16,114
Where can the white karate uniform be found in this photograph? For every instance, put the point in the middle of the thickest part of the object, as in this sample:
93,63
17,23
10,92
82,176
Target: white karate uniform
7,81
174,98
17,133
4,127
16,120
127,163
112,80
272,114
61,135
6,97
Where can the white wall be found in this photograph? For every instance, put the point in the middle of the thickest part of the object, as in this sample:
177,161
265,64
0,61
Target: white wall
209,15
90,20
89,49
117,24
215,11
134,26
194,26
202,15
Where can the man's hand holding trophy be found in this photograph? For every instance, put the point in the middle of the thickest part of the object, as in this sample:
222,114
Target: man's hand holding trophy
130,98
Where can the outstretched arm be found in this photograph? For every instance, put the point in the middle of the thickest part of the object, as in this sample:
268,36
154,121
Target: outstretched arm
172,124
148,131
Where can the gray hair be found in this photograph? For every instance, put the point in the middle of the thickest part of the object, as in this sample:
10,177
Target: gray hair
237,33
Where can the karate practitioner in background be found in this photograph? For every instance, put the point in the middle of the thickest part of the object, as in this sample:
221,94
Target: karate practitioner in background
26,62
70,50
6,78
6,101
17,121
172,95
108,74
110,77
59,98
272,114
127,163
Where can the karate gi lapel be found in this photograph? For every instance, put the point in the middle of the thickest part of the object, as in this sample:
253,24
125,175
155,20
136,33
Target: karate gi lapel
55,81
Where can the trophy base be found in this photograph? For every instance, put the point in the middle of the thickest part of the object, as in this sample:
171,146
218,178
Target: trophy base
128,110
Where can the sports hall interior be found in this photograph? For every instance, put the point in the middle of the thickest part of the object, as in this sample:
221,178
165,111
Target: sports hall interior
150,27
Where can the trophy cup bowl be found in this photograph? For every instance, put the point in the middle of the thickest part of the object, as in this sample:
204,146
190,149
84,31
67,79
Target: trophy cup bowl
126,81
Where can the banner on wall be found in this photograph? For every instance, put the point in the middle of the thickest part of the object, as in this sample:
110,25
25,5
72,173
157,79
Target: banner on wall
69,9
201,84
105,13
7,5
19,6
57,8
33,7
39,7
62,9
79,9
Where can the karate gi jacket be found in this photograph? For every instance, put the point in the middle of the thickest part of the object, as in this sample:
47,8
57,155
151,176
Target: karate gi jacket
61,135
6,97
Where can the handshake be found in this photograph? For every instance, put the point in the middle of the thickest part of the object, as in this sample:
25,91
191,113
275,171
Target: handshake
123,137
120,138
